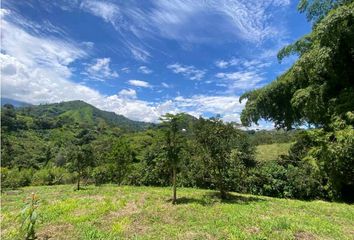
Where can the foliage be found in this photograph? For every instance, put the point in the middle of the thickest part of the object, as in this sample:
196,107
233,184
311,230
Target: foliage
285,180
319,85
52,176
15,178
317,91
29,217
218,140
173,145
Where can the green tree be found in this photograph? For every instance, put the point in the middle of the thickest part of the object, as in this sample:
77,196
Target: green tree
319,85
80,155
173,145
8,117
219,139
317,90
121,156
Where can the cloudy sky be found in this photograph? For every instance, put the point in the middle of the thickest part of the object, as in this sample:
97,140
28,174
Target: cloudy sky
142,59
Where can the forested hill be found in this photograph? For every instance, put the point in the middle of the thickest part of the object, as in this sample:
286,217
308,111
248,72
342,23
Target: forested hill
78,113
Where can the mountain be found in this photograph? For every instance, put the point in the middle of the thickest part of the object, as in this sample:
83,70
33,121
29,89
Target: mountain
13,102
82,113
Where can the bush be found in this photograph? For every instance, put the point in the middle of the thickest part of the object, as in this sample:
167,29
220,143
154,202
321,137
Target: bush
276,179
103,174
15,178
52,176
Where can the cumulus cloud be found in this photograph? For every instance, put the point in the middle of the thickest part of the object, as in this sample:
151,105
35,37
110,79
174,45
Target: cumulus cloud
129,93
189,72
100,70
139,83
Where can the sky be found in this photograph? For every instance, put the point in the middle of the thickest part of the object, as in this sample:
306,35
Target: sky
143,59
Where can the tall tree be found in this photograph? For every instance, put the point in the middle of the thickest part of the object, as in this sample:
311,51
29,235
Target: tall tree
317,90
319,86
173,145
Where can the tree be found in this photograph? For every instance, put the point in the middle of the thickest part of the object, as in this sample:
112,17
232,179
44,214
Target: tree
81,155
121,156
317,90
219,139
319,86
8,117
173,145
80,158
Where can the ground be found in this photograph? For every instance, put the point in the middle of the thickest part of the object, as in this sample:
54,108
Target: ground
126,212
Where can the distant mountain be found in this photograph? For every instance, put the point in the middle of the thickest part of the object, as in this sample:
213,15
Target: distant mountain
82,113
13,102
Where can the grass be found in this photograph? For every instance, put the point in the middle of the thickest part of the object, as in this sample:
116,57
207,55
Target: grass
125,212
268,152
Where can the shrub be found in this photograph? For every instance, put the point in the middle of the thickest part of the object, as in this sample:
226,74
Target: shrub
52,176
15,178
103,174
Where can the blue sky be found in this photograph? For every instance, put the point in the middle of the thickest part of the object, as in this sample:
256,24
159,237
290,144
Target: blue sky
142,59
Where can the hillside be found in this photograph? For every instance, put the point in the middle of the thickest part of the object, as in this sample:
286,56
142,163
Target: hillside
122,212
80,112
269,152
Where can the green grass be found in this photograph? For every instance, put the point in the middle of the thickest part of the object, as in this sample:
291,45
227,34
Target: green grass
124,212
268,152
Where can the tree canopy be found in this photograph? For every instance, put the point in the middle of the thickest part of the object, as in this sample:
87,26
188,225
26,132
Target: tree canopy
319,86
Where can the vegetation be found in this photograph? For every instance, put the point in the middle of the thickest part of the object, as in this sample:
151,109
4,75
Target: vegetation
317,91
126,212
270,152
74,142
29,218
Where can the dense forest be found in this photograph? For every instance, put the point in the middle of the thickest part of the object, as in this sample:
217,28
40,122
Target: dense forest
74,142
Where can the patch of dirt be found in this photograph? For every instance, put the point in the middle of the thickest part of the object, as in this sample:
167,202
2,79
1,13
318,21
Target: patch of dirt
63,231
14,192
253,230
137,228
131,208
196,235
304,236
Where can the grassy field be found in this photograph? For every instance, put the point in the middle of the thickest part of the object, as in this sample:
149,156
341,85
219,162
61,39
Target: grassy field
123,212
269,152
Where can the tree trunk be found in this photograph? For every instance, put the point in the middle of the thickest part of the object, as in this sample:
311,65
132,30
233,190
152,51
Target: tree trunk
174,198
78,181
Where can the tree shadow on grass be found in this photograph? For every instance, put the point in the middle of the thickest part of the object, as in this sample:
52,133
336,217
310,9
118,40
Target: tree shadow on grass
214,197
234,199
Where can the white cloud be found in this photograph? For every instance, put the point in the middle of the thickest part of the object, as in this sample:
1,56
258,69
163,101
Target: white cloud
125,70
109,12
248,20
139,83
241,80
221,64
129,93
138,53
100,70
144,69
187,71
165,85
